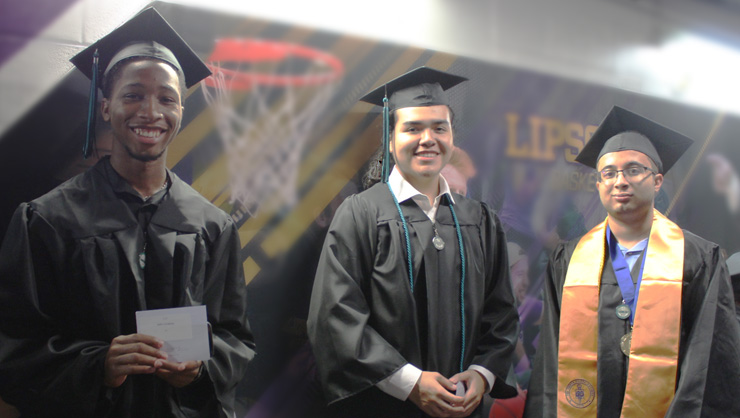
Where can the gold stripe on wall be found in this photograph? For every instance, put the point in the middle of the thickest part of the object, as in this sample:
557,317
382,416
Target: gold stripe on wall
710,136
250,269
189,137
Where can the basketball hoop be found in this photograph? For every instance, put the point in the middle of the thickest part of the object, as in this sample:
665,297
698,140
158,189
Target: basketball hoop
287,86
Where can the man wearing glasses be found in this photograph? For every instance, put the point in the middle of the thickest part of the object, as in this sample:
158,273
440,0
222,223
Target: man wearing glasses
638,316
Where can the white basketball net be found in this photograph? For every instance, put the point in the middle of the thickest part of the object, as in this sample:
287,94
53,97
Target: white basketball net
264,129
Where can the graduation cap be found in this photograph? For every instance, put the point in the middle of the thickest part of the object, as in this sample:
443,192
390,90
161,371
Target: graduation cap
623,130
422,86
146,35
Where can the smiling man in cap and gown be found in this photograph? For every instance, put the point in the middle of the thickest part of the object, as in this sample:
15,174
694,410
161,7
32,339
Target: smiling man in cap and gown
638,317
127,235
412,296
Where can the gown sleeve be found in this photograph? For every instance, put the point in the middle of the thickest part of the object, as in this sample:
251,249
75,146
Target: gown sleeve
499,319
41,366
350,354
709,368
225,298
542,393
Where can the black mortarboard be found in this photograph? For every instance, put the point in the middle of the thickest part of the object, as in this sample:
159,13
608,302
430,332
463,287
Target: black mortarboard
623,130
422,86
146,35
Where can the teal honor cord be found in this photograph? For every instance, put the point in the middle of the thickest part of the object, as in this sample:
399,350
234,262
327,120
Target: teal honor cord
462,282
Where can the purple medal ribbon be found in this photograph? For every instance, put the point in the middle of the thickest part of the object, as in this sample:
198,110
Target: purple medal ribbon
630,293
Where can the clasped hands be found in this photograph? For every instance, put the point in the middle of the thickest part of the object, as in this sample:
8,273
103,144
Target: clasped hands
435,395
141,354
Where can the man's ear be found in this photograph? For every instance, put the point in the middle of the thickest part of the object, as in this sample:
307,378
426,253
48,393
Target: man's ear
104,110
658,182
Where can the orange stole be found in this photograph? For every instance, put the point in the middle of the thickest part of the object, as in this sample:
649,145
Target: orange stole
651,378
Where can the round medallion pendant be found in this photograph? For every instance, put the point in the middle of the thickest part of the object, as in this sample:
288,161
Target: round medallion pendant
623,311
438,243
625,342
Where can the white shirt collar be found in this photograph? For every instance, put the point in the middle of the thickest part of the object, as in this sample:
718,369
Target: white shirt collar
405,191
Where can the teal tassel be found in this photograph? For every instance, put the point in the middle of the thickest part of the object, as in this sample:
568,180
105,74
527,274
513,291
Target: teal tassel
90,134
386,165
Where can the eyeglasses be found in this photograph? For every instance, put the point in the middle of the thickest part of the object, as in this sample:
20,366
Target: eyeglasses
630,173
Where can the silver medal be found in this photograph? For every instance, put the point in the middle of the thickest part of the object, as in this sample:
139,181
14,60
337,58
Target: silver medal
623,311
625,342
438,242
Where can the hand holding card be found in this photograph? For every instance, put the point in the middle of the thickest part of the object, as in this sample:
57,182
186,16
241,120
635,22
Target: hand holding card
185,331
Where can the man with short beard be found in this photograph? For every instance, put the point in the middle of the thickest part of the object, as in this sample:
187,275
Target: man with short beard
127,235
638,317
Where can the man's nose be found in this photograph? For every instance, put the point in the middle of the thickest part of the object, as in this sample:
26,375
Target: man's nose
426,136
620,180
150,108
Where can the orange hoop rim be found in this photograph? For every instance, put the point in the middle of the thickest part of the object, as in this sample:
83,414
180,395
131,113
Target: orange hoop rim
254,50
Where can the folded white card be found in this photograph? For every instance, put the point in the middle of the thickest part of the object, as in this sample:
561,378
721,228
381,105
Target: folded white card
460,390
183,330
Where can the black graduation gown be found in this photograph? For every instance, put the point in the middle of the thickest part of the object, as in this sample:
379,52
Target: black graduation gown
70,282
709,347
364,322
